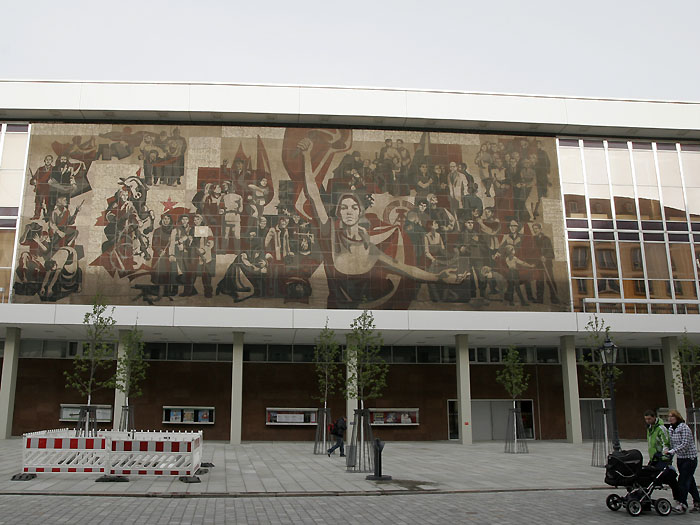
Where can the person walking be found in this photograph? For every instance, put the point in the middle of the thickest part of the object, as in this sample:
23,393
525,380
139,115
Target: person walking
683,447
338,431
658,439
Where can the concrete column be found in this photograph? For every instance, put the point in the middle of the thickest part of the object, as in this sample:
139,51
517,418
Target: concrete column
9,381
350,404
674,385
464,394
119,397
572,405
237,388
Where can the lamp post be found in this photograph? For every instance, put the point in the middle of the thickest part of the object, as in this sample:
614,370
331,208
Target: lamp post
608,356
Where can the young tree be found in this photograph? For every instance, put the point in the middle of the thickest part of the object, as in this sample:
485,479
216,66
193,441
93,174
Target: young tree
366,379
514,380
595,374
131,371
326,354
366,368
686,373
96,352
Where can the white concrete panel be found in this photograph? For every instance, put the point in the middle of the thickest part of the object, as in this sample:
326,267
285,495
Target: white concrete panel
22,314
472,322
644,323
40,95
352,102
632,114
71,314
134,97
227,99
143,316
480,107
342,319
239,318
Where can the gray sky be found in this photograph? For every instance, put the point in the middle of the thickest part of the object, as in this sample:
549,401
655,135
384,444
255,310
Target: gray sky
612,48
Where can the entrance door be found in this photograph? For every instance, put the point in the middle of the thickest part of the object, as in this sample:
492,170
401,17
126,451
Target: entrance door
589,408
452,419
490,418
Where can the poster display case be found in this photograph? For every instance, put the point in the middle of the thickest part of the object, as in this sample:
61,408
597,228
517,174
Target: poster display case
290,416
70,412
181,415
400,417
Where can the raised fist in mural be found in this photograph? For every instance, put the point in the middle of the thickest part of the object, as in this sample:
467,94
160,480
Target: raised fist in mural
305,145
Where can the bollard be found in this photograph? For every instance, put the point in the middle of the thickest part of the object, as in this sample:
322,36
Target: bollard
377,476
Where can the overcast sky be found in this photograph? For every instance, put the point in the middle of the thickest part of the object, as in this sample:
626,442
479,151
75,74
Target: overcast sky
613,48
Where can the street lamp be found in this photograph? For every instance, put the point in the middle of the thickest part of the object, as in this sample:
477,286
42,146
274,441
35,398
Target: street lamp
608,356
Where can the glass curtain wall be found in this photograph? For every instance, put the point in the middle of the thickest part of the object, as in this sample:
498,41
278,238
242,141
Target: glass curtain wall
633,224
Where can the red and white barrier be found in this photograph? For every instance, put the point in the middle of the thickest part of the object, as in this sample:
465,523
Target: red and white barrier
115,453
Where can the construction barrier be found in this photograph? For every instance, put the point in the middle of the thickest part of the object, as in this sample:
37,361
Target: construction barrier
114,453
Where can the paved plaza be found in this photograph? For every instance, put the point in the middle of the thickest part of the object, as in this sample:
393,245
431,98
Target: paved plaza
433,482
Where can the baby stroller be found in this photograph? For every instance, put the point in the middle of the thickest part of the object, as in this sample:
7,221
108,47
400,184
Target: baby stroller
625,469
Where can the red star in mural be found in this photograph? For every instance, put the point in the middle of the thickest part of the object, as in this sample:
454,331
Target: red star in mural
168,205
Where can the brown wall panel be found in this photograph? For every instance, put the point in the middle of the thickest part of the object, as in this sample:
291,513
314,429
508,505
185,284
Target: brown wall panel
426,387
285,385
41,390
640,387
186,383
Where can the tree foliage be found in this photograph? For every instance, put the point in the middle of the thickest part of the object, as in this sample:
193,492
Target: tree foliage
131,365
594,372
366,368
326,354
686,368
513,376
96,352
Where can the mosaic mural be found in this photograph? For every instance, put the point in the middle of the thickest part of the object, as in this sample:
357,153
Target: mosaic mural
291,217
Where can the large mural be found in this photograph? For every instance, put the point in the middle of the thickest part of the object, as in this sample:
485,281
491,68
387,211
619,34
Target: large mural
291,217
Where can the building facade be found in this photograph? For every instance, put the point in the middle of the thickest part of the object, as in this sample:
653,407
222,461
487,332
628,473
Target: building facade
231,223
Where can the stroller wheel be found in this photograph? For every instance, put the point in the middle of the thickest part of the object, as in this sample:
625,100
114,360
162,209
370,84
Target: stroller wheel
614,502
662,506
634,507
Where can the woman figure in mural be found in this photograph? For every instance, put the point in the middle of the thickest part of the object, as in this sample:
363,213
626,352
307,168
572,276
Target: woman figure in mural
164,271
258,195
203,248
30,267
245,277
352,263
63,275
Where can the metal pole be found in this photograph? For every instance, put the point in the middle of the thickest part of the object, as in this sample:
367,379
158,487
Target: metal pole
613,412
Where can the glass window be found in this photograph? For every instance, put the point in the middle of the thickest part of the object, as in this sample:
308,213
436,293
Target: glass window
179,351
580,253
644,165
620,167
649,206
570,167
7,246
428,354
575,201
631,259
204,352
659,289
225,352
282,353
608,288
690,157
547,355
582,288
482,355
404,354
14,151
10,187
669,168
154,351
634,289
681,261
253,352
449,354
685,290
55,349
657,264
655,355
30,347
637,355
385,353
625,208
596,168
606,259
674,204
303,353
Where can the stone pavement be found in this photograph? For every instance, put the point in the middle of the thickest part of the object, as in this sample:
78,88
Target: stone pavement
291,469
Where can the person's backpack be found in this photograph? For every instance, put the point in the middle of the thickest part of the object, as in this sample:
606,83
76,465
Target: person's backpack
334,428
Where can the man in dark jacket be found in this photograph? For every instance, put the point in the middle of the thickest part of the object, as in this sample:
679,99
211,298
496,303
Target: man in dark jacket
339,431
